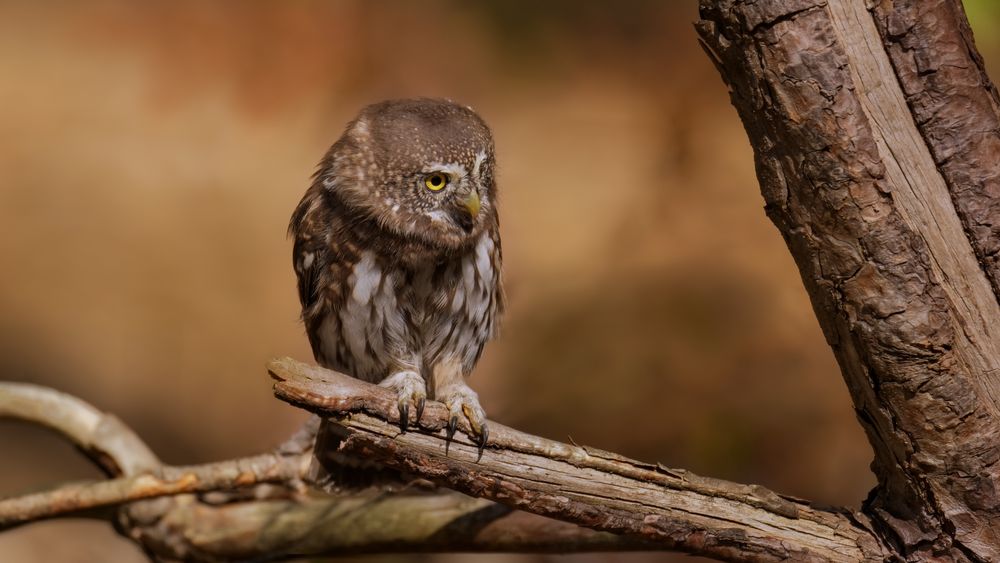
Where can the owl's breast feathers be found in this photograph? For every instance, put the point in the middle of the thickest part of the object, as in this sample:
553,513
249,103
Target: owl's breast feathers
374,302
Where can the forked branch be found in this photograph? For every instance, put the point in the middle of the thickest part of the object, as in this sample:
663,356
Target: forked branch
589,487
234,520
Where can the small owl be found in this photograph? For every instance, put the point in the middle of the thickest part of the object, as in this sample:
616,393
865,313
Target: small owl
397,253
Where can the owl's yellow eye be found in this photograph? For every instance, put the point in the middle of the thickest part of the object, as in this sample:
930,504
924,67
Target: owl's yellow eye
436,181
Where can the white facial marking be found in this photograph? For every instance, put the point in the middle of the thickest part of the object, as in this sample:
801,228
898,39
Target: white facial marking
438,216
307,260
480,158
456,171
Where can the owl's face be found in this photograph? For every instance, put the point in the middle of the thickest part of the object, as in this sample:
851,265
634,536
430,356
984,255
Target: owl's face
422,169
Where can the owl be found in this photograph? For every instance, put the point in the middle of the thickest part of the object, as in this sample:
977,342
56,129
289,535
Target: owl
397,254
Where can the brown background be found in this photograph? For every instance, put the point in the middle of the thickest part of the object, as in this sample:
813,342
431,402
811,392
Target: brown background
151,153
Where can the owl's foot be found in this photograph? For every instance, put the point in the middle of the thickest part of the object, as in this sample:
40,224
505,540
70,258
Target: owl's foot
461,400
410,388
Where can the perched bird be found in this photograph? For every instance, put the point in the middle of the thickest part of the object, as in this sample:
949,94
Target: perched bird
397,254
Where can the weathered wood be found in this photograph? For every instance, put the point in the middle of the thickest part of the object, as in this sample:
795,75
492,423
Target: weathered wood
898,288
586,486
359,523
955,107
100,435
240,516
157,482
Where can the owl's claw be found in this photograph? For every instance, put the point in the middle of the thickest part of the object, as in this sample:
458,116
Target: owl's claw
410,388
452,426
404,416
463,402
482,441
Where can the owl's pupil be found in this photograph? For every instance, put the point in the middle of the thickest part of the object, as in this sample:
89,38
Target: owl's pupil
436,180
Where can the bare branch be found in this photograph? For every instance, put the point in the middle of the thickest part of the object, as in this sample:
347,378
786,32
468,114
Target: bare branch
586,486
163,481
366,523
102,436
172,523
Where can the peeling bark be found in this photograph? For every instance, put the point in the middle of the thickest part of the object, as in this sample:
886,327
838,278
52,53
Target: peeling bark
362,523
238,515
900,291
592,488
955,107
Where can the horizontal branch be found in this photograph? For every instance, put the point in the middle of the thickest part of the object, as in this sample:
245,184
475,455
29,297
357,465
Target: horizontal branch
162,481
274,523
589,487
364,523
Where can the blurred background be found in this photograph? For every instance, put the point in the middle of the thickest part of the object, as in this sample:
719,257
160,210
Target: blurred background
151,154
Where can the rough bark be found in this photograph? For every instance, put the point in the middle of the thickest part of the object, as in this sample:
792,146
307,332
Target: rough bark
239,516
903,295
362,523
589,487
955,107
157,482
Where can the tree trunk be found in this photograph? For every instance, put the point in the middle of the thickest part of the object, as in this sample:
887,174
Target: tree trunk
875,134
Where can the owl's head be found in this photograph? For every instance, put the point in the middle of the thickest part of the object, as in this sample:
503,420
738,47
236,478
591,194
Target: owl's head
423,169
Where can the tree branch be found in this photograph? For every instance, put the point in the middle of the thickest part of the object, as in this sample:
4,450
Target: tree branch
957,110
161,515
853,139
366,523
589,487
101,436
162,481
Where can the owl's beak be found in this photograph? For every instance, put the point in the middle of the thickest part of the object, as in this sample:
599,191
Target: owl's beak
465,209
472,203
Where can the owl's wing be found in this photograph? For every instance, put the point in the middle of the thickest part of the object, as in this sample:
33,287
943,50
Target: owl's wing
310,256
324,254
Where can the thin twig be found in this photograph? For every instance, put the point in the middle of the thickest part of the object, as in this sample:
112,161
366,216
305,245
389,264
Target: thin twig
163,481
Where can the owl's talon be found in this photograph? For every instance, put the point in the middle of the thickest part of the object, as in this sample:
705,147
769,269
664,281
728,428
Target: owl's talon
420,408
409,388
404,417
482,441
463,402
452,427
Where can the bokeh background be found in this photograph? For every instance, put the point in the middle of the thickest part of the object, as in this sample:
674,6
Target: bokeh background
151,153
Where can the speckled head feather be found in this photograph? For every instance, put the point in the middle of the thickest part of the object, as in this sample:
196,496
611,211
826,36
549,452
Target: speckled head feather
381,163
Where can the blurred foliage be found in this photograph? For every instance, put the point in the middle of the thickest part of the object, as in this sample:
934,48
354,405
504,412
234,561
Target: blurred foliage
984,16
